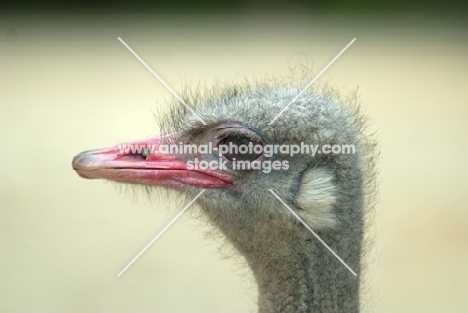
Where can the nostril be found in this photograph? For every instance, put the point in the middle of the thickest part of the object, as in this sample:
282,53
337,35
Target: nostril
133,157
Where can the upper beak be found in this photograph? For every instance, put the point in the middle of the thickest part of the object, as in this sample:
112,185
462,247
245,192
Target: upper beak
140,162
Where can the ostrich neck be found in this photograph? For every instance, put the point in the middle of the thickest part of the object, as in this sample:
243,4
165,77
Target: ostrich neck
304,279
294,272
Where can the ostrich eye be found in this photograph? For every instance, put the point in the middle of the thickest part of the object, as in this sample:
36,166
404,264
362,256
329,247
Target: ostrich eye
241,148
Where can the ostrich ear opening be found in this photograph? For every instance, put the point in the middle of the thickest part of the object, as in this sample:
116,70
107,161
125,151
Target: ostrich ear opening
316,198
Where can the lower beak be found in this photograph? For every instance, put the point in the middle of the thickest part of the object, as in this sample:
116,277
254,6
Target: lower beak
140,162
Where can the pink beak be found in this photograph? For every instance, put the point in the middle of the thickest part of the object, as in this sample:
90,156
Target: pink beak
120,163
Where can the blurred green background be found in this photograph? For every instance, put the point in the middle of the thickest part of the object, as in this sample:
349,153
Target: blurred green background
235,7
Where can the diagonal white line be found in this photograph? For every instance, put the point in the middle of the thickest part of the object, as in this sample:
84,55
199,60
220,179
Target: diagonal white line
313,233
162,81
313,80
161,232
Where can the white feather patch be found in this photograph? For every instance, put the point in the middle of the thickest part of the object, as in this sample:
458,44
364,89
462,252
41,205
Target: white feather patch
316,198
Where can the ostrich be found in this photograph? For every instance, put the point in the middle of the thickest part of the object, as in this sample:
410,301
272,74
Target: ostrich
294,272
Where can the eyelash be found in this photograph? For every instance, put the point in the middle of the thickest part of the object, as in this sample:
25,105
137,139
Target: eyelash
248,134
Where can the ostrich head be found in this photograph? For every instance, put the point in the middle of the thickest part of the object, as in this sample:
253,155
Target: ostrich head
293,270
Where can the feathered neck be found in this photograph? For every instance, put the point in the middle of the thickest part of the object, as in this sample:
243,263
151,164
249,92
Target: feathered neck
294,272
